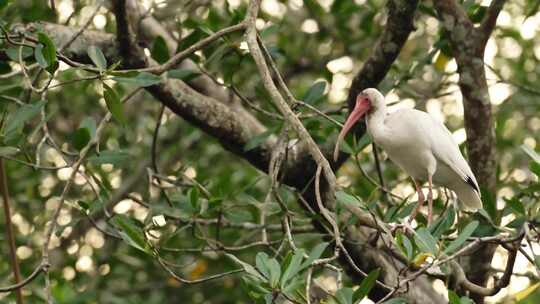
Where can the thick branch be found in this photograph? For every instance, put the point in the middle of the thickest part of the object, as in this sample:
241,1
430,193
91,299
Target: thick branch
468,44
127,45
399,24
490,20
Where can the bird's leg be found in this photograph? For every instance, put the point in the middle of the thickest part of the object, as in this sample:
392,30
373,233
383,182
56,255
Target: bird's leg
430,201
420,201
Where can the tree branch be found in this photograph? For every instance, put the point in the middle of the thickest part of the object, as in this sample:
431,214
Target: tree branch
399,25
9,230
130,52
468,45
490,20
41,268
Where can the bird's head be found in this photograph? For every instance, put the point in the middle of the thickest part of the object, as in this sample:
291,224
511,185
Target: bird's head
367,101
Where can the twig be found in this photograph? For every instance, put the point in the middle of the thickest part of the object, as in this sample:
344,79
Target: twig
176,59
75,168
154,151
197,281
9,230
41,268
82,29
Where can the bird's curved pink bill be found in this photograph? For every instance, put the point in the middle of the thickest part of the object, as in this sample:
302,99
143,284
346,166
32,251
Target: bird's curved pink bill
362,106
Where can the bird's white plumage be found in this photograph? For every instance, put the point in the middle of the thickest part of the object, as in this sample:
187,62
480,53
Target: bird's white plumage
422,146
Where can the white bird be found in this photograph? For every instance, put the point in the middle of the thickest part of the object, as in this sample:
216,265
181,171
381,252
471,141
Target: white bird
421,145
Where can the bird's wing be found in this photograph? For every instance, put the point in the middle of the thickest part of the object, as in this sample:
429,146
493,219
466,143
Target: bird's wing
446,150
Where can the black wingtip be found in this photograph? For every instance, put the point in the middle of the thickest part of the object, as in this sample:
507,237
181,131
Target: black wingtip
469,181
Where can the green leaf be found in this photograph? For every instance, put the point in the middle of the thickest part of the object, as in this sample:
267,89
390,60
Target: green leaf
13,52
315,92
113,157
22,115
194,198
444,223
477,13
81,137
292,268
269,267
408,247
535,168
254,288
183,74
537,260
344,295
248,268
160,51
84,205
347,199
315,8
517,222
274,272
463,236
257,140
114,104
314,255
142,79
425,241
293,286
3,3
366,286
86,131
532,154
466,300
8,151
131,233
40,58
269,30
220,51
405,245
261,262
124,74
196,35
97,57
453,298
90,124
238,215
48,52
532,9
515,204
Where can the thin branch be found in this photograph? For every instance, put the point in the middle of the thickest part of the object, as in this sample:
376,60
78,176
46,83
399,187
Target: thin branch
296,124
83,28
197,281
41,268
9,230
153,151
176,59
53,222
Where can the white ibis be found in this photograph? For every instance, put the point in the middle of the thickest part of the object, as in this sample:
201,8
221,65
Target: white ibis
420,145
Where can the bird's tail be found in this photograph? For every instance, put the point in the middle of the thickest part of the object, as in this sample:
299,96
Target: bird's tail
468,196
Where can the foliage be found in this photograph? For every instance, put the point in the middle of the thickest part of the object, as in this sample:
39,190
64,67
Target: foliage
155,196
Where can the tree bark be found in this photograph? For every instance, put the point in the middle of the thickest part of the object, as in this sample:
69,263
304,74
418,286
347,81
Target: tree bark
468,44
